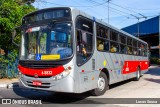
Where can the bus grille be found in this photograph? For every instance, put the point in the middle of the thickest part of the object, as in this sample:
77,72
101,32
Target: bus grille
44,85
38,76
38,64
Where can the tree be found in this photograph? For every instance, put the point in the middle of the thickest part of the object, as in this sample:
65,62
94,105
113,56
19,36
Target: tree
11,13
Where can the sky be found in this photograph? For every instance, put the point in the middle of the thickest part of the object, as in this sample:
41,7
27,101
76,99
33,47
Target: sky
122,13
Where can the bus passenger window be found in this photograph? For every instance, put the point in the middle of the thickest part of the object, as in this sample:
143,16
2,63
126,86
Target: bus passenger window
100,44
114,47
123,49
106,45
129,50
106,34
146,50
142,50
135,51
113,36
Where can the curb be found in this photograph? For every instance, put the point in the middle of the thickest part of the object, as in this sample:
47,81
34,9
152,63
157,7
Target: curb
12,86
153,66
9,86
3,85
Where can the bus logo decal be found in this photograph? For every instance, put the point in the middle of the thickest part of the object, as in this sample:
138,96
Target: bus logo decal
116,62
104,63
119,72
127,69
36,75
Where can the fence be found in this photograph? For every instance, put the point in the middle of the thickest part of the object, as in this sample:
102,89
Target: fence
8,66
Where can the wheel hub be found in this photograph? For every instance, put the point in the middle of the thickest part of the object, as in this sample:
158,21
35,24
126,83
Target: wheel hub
101,83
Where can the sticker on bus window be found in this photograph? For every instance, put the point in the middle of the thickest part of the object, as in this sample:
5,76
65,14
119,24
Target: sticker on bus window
38,56
50,57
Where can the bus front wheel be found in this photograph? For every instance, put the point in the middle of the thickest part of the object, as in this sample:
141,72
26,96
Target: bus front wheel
103,85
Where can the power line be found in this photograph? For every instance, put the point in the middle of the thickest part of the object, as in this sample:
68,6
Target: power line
100,4
109,7
120,7
122,21
143,9
127,9
43,1
96,4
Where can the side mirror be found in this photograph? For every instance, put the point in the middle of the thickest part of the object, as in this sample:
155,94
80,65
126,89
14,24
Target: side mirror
14,35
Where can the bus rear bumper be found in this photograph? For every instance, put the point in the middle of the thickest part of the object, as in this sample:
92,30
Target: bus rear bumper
63,85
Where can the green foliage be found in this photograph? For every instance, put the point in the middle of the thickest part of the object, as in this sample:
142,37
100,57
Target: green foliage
155,60
11,13
8,67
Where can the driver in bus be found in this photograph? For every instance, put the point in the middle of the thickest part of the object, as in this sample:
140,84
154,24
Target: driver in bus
84,53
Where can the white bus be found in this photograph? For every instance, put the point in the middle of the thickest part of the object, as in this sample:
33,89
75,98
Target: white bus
66,50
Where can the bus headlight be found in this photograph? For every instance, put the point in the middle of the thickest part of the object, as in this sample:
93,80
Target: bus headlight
65,73
21,75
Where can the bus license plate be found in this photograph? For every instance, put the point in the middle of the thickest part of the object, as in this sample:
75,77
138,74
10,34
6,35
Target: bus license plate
37,83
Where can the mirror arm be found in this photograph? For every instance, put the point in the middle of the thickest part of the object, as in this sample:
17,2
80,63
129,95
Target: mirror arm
13,36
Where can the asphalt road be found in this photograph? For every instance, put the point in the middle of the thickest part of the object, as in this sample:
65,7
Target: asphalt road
147,87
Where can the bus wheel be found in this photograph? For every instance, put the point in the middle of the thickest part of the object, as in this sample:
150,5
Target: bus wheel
103,85
138,74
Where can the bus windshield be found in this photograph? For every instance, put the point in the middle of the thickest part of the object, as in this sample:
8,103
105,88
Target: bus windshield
47,42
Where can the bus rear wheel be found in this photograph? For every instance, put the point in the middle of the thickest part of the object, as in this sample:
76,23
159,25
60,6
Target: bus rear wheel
103,85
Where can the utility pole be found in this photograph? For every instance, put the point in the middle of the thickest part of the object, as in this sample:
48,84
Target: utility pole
137,24
138,21
108,10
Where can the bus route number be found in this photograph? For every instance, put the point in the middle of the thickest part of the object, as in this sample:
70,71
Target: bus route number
46,73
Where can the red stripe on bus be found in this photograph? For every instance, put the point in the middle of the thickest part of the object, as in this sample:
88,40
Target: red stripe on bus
41,72
131,66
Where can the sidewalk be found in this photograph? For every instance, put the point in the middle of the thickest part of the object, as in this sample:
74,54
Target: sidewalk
8,83
154,66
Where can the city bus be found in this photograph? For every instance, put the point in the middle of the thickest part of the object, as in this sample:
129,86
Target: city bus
63,49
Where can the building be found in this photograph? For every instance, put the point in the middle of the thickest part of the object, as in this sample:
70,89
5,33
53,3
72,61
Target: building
149,31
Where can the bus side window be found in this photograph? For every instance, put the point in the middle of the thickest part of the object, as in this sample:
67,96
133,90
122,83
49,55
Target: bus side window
129,50
84,33
122,41
114,47
84,46
141,50
100,44
135,51
123,49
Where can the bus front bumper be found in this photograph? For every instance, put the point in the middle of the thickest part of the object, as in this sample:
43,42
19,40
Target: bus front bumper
65,84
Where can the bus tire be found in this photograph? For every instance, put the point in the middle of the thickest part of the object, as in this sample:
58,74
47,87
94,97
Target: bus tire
103,85
138,74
